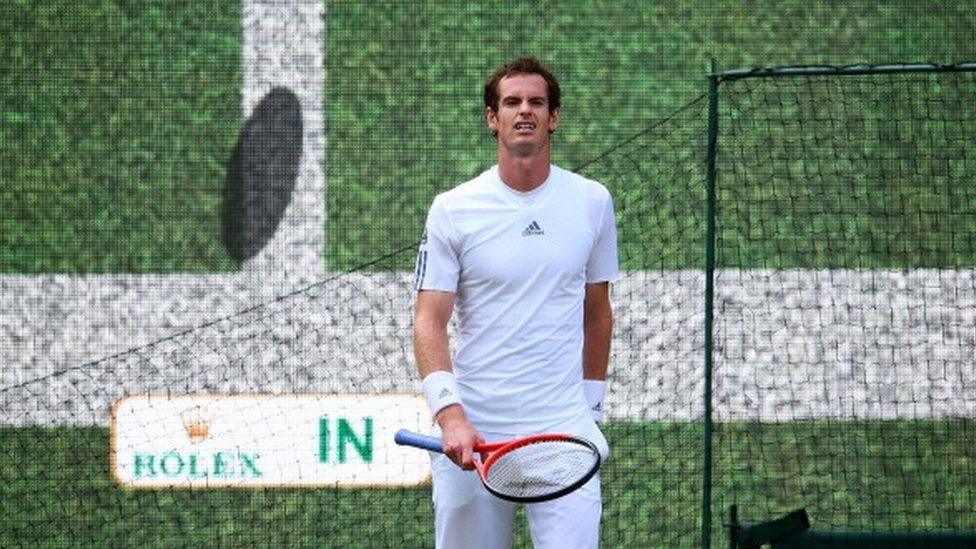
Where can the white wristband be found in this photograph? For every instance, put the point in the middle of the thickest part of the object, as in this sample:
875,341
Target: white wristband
595,391
441,390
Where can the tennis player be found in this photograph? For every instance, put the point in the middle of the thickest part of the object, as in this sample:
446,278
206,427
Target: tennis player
525,252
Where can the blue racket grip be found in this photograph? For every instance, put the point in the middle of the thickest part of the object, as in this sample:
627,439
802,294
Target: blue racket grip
404,437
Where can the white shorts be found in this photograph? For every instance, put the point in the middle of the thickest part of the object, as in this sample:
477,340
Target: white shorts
466,515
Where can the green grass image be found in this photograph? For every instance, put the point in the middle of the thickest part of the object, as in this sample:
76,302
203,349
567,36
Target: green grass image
849,172
117,122
405,116
887,475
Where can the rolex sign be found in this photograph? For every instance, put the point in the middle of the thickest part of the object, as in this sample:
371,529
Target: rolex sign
209,441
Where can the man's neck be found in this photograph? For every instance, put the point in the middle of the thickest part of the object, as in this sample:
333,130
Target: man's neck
523,173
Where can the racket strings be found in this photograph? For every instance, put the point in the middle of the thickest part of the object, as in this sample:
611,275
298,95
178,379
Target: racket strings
540,469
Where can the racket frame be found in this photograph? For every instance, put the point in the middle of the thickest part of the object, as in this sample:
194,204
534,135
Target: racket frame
492,452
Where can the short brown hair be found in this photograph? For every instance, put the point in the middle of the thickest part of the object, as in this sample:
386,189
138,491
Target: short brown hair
523,65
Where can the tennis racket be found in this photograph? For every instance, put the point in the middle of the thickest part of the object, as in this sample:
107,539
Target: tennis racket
526,470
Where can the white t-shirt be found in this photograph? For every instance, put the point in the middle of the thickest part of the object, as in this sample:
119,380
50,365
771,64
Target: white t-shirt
518,264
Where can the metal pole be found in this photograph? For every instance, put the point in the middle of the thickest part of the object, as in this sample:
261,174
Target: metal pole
706,506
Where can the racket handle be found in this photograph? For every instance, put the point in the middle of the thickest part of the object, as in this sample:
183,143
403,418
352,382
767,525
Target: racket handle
404,437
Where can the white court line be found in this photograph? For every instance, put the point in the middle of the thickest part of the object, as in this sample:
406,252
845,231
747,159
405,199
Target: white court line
284,45
789,345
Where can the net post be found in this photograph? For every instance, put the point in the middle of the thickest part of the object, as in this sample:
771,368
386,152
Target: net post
734,526
706,505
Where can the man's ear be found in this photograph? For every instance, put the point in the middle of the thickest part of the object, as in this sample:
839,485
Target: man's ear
554,119
492,118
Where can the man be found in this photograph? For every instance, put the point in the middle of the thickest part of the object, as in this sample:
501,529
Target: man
525,252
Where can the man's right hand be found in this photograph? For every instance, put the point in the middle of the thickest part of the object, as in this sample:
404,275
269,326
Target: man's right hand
458,435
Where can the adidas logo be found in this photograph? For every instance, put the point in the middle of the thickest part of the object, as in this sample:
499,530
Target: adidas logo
445,392
533,229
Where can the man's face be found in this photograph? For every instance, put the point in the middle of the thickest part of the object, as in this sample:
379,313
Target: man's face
523,120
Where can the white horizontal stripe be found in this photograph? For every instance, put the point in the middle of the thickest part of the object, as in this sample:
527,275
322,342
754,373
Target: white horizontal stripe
789,344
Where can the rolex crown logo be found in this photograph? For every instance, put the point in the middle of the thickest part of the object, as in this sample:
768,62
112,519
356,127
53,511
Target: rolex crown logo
197,431
196,421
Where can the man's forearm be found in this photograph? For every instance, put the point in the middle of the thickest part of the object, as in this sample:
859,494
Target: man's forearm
431,348
432,351
597,332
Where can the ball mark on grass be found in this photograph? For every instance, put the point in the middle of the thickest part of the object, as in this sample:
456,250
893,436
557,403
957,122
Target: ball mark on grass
261,174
